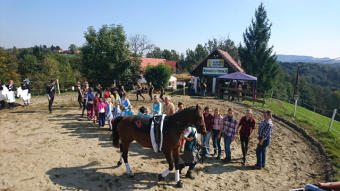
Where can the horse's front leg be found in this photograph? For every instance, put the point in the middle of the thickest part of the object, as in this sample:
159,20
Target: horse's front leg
168,157
125,150
177,167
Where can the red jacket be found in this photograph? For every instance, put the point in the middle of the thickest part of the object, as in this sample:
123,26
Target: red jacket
209,121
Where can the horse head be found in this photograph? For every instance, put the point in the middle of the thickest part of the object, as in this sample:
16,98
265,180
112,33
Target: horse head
199,120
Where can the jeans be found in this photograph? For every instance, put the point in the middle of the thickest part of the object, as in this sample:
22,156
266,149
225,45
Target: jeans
216,141
227,142
204,93
261,153
50,102
205,143
244,145
101,119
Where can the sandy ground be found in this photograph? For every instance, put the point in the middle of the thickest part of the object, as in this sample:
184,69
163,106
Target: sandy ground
62,151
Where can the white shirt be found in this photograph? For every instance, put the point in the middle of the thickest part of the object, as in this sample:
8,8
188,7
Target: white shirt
187,132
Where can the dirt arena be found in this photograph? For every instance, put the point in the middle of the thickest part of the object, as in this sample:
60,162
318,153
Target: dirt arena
62,151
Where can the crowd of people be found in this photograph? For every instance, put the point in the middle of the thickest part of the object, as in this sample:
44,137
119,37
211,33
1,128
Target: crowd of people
9,93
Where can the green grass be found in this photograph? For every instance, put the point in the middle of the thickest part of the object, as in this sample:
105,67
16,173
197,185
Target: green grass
315,124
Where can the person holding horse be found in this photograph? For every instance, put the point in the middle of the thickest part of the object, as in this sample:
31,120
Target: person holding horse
190,155
168,107
136,128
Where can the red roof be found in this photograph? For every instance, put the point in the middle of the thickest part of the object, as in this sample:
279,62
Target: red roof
155,61
234,64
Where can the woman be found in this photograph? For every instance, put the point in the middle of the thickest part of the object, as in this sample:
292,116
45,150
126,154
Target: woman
209,121
247,124
229,131
139,91
90,104
80,95
217,127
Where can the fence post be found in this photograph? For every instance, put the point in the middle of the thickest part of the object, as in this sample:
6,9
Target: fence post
330,125
58,86
296,100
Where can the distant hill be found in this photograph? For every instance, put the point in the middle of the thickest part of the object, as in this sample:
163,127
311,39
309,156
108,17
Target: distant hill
307,59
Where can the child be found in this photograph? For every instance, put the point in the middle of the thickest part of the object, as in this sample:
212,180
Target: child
125,101
116,110
147,112
217,127
124,111
96,101
130,112
107,94
156,107
143,111
229,131
115,96
101,111
209,121
109,115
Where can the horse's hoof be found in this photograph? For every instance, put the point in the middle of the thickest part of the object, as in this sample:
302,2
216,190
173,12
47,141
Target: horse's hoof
119,163
160,177
179,184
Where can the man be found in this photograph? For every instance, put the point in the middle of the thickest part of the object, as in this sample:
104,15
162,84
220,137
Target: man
11,94
246,127
50,91
156,106
168,107
151,88
3,95
265,137
229,132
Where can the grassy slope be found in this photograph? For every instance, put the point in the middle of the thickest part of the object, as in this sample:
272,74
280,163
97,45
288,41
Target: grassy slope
317,125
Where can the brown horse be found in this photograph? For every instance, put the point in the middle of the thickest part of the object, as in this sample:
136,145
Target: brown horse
125,130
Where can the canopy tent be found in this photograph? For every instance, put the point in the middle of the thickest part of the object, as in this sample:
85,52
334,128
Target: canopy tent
238,76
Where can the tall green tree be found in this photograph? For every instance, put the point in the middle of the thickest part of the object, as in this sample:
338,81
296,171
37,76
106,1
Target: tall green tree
159,75
106,55
73,48
256,56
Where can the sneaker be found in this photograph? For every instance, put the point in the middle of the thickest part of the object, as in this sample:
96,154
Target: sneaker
244,161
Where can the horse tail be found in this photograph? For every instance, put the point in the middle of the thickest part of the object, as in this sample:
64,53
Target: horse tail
115,135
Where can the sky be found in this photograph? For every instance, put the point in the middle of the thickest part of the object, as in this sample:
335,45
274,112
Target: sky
299,27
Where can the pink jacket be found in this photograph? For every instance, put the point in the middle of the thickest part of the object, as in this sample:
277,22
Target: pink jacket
101,105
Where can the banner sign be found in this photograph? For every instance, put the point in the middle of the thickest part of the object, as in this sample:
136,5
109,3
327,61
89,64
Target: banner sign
215,63
214,71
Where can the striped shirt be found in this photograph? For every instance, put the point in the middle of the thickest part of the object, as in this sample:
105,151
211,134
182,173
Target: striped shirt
229,126
266,129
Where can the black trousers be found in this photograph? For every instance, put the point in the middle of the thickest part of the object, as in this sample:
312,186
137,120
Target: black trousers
244,145
50,103
2,104
150,94
139,93
80,101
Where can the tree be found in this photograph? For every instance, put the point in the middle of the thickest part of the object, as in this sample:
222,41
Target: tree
8,66
257,59
155,53
159,75
225,44
139,45
106,56
73,48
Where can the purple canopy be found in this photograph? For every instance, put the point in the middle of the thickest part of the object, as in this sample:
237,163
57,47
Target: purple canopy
238,76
